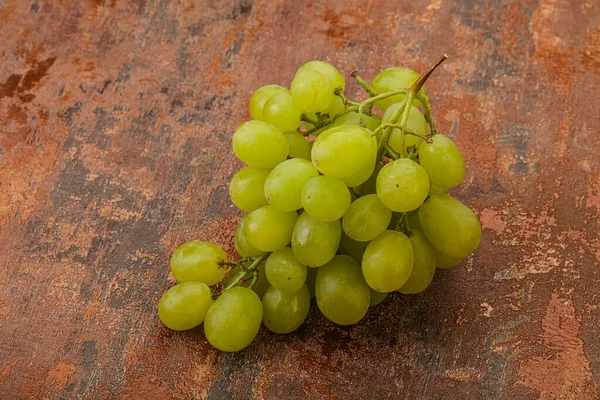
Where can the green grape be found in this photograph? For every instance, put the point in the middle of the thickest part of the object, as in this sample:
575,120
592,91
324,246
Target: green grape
184,306
242,245
370,185
314,242
260,97
353,118
353,248
284,271
450,226
436,190
343,151
341,291
285,311
299,146
246,189
443,162
366,218
334,77
325,198
281,112
416,122
376,297
444,261
268,229
198,262
365,172
413,220
259,144
402,185
361,176
335,107
388,261
233,320
394,79
311,91
423,264
238,273
283,187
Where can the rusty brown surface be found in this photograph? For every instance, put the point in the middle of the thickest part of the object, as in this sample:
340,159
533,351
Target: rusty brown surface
115,126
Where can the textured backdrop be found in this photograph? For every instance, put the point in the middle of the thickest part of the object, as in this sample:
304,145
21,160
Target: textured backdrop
115,126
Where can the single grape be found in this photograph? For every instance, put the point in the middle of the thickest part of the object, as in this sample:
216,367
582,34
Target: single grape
334,77
335,107
402,185
259,144
366,218
388,261
283,186
442,161
353,118
353,248
311,91
260,97
268,229
281,112
233,320
394,79
314,242
238,273
299,146
341,291
285,311
376,297
311,278
242,245
444,261
284,271
436,190
423,264
184,306
198,262
416,122
325,198
343,151
450,226
246,189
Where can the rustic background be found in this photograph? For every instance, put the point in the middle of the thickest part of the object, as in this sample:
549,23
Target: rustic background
115,126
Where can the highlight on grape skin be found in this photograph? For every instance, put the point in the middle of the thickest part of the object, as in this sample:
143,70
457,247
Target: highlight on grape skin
344,201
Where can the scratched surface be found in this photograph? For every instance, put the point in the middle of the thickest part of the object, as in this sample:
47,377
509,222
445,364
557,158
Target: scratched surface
115,126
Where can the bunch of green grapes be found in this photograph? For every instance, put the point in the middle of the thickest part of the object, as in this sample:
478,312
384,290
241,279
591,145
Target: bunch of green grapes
341,204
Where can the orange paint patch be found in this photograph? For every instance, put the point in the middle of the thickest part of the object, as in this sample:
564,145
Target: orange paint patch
60,375
563,371
490,219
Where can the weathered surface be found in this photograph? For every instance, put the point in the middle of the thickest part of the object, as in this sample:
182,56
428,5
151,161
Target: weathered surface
115,122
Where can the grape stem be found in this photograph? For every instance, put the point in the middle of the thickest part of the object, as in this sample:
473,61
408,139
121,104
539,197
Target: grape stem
407,102
305,118
364,107
245,270
406,130
372,92
388,130
347,102
254,279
